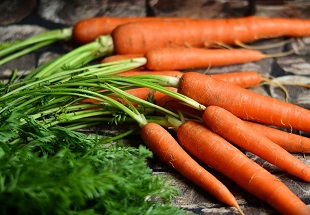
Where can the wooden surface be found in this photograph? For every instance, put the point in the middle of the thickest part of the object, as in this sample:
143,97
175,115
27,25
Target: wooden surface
22,18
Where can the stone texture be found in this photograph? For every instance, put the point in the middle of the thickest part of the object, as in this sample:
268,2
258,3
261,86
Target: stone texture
13,11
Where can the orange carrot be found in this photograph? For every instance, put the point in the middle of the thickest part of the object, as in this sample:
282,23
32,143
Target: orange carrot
113,58
289,141
174,104
244,103
140,37
141,93
180,58
238,132
161,143
244,79
145,72
87,30
216,152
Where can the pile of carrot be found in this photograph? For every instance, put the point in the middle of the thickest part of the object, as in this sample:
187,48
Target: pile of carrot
235,117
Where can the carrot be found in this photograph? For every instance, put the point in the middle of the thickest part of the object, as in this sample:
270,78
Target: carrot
87,30
145,72
141,93
175,105
113,58
140,37
163,144
244,79
243,103
238,132
216,152
289,141
180,58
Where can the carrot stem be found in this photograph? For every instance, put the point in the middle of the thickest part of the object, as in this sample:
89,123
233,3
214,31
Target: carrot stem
44,37
100,47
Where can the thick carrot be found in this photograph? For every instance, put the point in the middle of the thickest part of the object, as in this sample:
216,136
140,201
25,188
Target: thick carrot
244,103
140,37
87,30
242,79
238,132
180,58
216,152
289,141
163,144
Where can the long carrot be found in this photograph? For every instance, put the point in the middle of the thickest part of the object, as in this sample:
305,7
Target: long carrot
244,103
180,58
216,152
140,37
87,30
238,132
163,144
243,79
289,141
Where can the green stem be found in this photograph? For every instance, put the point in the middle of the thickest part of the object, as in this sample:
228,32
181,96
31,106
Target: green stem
25,51
117,137
155,86
142,102
52,36
63,76
101,47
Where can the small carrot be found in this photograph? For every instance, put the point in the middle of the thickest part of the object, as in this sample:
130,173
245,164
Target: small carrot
216,152
238,132
113,58
87,30
141,93
175,105
244,79
145,72
180,58
289,141
163,144
140,37
243,103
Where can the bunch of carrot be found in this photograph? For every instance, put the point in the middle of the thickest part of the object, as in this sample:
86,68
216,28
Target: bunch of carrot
234,116
230,115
